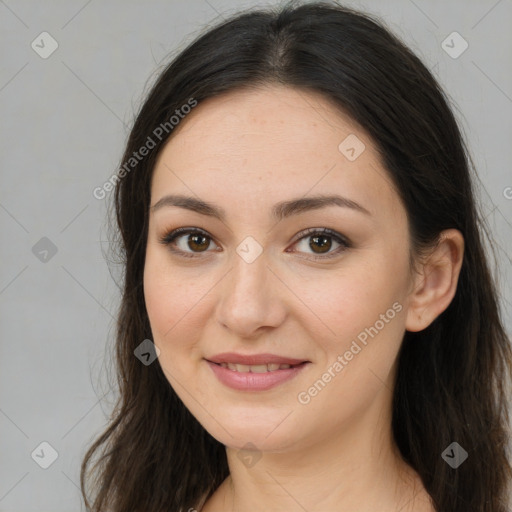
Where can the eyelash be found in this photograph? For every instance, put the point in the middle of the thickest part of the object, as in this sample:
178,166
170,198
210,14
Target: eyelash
170,237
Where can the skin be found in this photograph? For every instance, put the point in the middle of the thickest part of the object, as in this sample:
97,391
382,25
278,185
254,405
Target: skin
246,151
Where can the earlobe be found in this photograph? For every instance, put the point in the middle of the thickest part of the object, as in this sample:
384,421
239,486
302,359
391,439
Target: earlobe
437,282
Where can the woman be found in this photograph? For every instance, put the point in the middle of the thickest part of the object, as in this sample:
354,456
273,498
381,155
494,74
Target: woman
302,246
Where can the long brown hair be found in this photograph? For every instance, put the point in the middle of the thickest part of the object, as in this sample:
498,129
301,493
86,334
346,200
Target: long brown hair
453,377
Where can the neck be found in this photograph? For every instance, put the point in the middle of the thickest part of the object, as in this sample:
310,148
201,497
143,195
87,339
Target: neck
358,468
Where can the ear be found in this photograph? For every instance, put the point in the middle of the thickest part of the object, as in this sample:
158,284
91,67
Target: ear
436,283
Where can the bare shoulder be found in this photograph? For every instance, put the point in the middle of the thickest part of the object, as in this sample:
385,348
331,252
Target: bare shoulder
423,503
418,500
217,501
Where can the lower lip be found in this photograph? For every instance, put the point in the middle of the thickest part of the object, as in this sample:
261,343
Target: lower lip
248,381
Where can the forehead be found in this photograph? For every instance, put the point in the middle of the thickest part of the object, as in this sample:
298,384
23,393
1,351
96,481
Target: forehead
252,148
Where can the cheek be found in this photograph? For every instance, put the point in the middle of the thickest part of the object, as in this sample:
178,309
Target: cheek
352,300
167,305
160,297
170,302
365,315
365,312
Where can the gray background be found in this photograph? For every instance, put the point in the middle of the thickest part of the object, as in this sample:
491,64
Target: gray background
64,120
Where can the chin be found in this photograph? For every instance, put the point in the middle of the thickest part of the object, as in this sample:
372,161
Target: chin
263,434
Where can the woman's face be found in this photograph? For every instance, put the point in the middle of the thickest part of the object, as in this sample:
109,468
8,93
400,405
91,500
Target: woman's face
261,278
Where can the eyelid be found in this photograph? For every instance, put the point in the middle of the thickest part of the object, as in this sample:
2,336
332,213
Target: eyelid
323,231
169,237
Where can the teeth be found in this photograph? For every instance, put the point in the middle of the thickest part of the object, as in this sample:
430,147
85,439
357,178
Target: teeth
255,368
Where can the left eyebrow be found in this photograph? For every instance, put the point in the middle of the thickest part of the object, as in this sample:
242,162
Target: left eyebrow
279,211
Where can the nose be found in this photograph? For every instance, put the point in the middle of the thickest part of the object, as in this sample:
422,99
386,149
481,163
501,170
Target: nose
251,298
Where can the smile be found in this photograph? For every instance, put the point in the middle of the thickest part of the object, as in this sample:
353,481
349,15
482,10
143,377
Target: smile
256,368
259,377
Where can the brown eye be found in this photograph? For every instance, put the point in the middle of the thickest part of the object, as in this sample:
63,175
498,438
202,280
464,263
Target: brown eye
187,241
324,243
321,242
198,241
191,242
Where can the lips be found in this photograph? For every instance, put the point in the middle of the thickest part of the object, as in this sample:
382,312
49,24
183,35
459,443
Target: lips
256,368
255,377
254,359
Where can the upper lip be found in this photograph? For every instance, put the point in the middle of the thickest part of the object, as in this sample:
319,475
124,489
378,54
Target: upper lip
254,359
